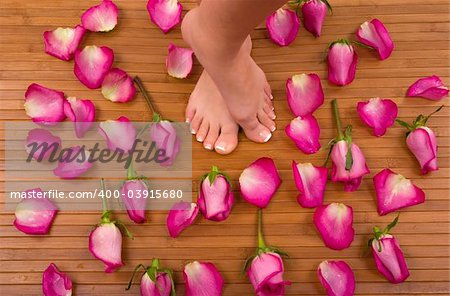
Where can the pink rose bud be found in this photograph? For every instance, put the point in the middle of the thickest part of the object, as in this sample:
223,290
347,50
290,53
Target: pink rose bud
379,114
62,42
166,14
34,215
430,87
44,105
422,142
216,197
165,136
342,60
374,34
395,192
105,244
92,63
335,225
180,217
118,86
310,181
337,278
202,278
282,26
305,133
155,281
55,283
388,256
82,113
100,18
119,134
259,182
133,194
179,61
41,144
304,94
314,13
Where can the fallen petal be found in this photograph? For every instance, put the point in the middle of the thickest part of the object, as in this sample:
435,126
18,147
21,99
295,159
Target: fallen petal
305,133
423,144
310,181
118,86
259,182
55,282
44,105
181,216
63,42
374,34
82,113
179,61
304,94
215,200
74,162
283,26
100,18
342,60
92,63
379,114
166,14
165,137
133,197
201,279
41,144
314,13
430,87
105,244
119,134
337,278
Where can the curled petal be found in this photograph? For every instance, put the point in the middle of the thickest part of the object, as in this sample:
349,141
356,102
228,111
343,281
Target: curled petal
74,162
283,26
119,134
314,12
62,42
105,244
162,286
337,278
202,278
304,94
179,61
100,18
166,14
41,144
216,200
310,181
342,60
374,34
135,206
44,105
92,63
389,259
81,112
305,133
379,114
335,225
259,182
430,87
118,86
165,137
395,192
181,216
55,282
423,144
34,214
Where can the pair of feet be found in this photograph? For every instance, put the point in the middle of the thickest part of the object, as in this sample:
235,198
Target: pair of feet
232,91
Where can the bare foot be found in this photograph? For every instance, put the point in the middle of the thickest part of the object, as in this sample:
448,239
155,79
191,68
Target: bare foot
239,80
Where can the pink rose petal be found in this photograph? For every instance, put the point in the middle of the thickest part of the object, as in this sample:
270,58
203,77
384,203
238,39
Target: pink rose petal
342,60
55,282
164,135
305,133
304,93
374,34
379,114
119,134
422,143
105,244
100,18
162,286
37,137
62,42
44,105
133,197
73,163
118,86
181,216
201,279
92,63
337,278
314,13
179,61
215,200
310,181
166,14
283,26
430,87
82,113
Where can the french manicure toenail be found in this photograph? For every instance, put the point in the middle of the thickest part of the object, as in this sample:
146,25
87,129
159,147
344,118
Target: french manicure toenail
271,96
266,137
200,139
220,147
274,116
273,128
187,120
208,146
193,132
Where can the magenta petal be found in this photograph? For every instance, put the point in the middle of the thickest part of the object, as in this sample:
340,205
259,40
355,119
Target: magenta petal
314,12
100,18
34,215
73,163
304,93
215,200
119,134
105,244
374,34
430,87
118,86
92,63
165,137
395,192
179,61
82,113
62,42
423,144
282,26
166,14
310,181
55,283
305,133
132,195
162,286
201,279
342,60
379,114
181,216
37,137
259,182
335,225
44,105
337,278
390,260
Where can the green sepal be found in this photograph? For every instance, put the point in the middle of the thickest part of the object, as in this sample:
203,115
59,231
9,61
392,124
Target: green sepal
349,156
362,45
133,274
340,40
330,9
247,263
212,175
420,120
124,228
378,233
156,117
329,147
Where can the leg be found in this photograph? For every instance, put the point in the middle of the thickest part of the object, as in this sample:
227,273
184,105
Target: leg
216,31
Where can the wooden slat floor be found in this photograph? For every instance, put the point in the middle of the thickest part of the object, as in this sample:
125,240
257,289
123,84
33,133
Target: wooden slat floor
420,30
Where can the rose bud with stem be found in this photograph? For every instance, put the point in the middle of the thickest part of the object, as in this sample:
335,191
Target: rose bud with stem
155,281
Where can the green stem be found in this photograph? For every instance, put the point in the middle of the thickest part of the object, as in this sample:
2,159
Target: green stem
144,92
131,174
155,263
338,119
105,213
261,243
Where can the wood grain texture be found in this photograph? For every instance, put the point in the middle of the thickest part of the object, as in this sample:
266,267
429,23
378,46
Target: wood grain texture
420,31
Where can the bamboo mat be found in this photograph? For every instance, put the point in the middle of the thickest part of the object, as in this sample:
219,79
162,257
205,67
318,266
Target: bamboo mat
420,30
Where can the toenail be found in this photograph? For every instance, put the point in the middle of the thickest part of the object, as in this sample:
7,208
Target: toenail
220,147
187,120
200,139
208,146
273,129
193,131
271,96
265,136
274,116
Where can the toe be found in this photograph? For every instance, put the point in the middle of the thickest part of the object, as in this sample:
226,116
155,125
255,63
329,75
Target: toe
255,131
202,131
268,90
211,138
264,118
227,140
195,123
269,111
190,112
